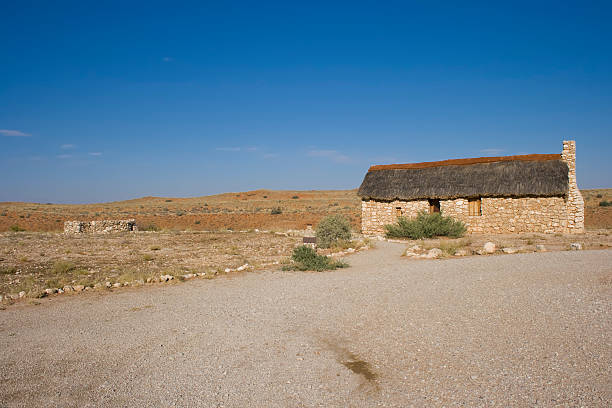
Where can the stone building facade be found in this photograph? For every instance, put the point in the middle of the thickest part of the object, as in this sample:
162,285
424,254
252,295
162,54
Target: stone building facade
558,208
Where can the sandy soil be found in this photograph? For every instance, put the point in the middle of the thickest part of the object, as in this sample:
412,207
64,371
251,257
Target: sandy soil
511,330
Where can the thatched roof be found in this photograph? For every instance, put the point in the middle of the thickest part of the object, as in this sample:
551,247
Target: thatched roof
507,176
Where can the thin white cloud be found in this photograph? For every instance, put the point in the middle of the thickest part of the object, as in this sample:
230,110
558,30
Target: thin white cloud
333,155
97,154
491,151
64,156
67,146
167,59
227,149
9,132
270,155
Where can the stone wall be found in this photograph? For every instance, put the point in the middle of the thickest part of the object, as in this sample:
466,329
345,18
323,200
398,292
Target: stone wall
575,202
499,215
99,227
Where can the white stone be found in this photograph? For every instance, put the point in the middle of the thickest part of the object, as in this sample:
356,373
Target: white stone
243,267
68,288
540,248
22,294
489,247
49,291
227,270
510,250
117,285
434,253
78,288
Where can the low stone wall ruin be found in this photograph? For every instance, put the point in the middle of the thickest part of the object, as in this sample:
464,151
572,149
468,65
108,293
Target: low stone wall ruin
99,227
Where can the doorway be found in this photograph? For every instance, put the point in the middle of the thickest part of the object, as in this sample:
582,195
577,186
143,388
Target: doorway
434,206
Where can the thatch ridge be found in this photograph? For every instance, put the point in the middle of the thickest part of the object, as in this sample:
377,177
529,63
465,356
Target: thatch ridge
502,178
463,162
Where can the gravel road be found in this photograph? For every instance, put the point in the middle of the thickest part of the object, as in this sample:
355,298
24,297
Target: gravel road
507,330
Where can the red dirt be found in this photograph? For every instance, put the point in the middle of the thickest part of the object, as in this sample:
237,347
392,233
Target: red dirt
237,211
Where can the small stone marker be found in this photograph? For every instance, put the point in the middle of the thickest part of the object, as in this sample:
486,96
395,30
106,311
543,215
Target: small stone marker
575,246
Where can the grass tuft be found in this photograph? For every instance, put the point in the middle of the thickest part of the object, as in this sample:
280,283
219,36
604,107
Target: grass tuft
306,259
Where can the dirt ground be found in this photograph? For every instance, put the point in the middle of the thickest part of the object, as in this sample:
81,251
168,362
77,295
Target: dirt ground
31,262
238,211
261,209
523,330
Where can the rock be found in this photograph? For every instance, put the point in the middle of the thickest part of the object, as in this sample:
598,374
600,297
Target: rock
575,246
22,294
148,280
415,248
98,286
540,248
60,291
489,247
88,288
227,270
462,252
49,291
410,254
68,288
78,288
1,298
480,252
108,285
510,250
117,285
434,253
243,267
350,250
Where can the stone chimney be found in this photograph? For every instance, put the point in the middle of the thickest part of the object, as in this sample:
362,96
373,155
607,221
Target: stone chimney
575,203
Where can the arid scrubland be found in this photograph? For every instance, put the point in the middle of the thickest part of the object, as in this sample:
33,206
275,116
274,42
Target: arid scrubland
209,236
32,262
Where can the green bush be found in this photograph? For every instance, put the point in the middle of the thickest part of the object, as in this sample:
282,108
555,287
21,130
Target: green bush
16,228
332,229
605,203
426,226
306,259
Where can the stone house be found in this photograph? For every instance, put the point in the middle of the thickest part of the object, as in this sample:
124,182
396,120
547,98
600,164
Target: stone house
508,194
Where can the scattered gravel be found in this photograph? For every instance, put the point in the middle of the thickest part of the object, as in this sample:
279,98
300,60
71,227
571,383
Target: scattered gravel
522,330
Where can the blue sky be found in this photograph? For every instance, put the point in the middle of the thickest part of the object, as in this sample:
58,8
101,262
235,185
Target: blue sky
103,101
